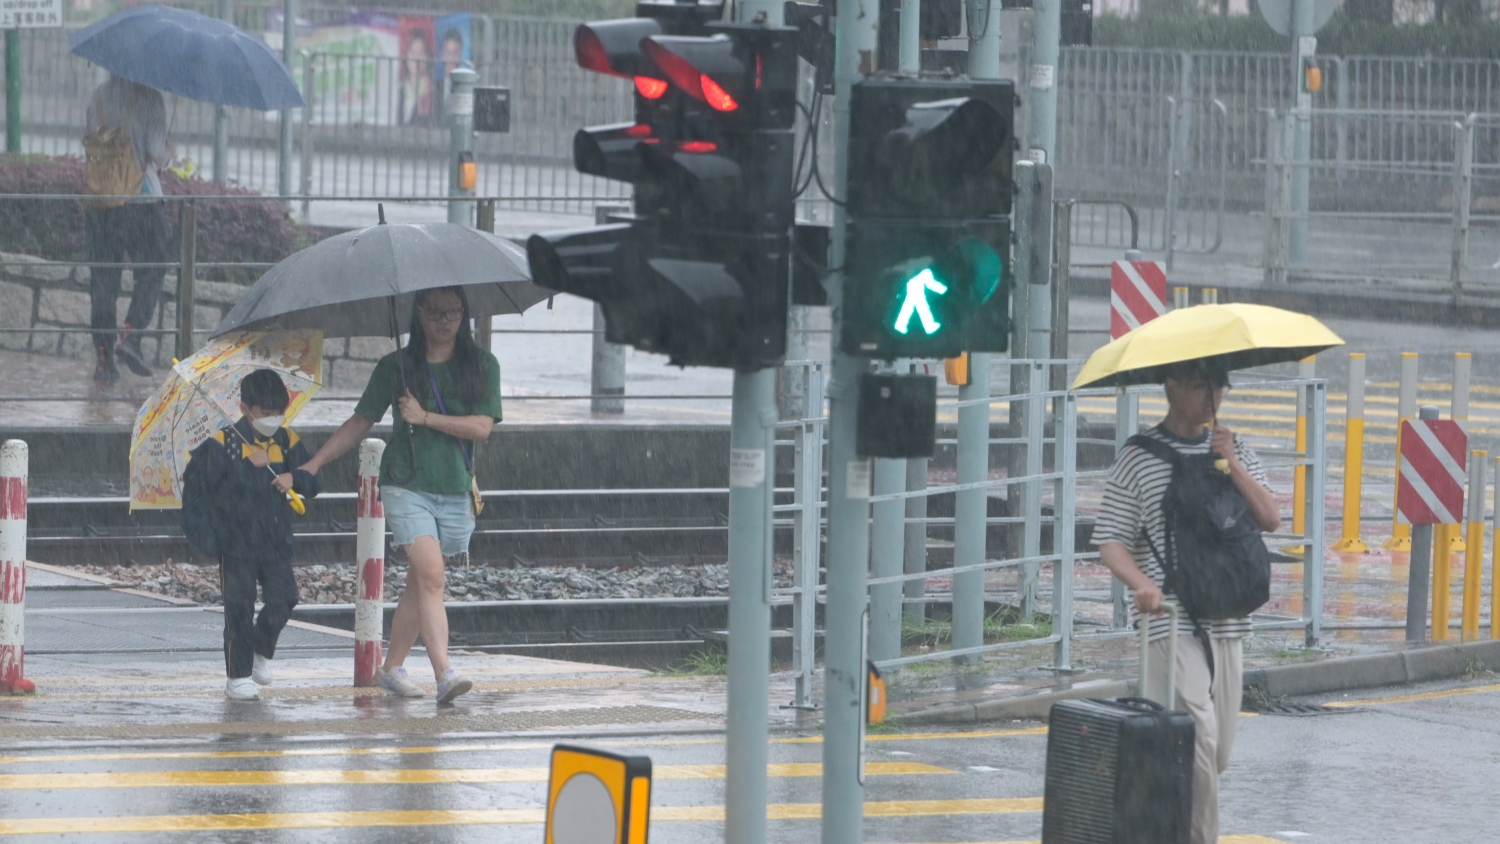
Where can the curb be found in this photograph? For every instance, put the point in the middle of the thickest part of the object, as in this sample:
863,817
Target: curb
1395,668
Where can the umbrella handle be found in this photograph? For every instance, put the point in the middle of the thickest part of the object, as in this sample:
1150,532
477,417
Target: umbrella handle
298,506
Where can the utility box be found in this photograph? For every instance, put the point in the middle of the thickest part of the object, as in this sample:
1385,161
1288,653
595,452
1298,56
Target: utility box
897,416
491,109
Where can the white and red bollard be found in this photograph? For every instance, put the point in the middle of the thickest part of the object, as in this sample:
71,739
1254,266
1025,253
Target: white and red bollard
13,459
369,603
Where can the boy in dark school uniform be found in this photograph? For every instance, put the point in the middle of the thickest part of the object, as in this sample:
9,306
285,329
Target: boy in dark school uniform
235,509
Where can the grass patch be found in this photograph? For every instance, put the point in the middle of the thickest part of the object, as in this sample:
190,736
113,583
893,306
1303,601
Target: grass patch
700,664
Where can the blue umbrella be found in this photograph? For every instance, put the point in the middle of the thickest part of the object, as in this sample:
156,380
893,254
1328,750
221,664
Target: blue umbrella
191,55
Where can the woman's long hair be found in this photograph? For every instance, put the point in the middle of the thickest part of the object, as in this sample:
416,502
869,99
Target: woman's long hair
473,388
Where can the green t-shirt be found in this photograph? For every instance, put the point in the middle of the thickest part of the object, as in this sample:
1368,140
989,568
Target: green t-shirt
440,461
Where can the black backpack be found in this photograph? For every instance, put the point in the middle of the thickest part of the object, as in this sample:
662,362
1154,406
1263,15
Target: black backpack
1215,560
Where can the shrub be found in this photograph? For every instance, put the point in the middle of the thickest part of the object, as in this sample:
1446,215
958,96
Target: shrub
228,230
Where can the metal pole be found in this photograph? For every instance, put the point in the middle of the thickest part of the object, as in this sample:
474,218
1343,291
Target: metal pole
188,232
607,372
1317,475
1306,370
751,464
1046,40
484,324
791,381
848,487
14,470
1421,565
13,90
910,36
809,521
1406,408
1062,533
1034,430
369,539
970,507
1463,191
887,549
1354,457
310,83
460,141
1173,142
1303,45
288,52
915,591
221,114
1474,546
1127,425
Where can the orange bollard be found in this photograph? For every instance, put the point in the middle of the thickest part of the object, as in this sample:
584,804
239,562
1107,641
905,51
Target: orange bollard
1474,547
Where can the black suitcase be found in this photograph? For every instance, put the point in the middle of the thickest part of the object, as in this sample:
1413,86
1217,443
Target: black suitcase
1119,771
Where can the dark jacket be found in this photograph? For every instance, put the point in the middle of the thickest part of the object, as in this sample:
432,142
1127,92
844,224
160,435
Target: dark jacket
229,506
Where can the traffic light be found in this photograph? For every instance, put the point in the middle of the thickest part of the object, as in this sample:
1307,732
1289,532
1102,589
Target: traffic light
928,249
701,271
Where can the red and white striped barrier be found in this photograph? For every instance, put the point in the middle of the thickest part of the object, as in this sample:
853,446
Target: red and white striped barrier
369,606
1137,295
13,458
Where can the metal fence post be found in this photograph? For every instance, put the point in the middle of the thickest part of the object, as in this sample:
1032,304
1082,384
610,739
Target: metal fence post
221,114
1354,457
310,84
1421,565
1127,425
971,506
1172,174
915,591
808,521
13,91
284,147
607,371
187,227
1063,534
1317,473
887,548
1034,430
1463,194
1341,123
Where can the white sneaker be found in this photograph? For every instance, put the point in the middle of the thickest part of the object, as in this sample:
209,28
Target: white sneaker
451,685
261,673
241,688
394,682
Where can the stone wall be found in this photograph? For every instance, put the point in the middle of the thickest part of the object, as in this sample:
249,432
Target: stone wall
42,297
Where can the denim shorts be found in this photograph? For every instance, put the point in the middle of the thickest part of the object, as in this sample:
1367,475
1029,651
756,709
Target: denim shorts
447,518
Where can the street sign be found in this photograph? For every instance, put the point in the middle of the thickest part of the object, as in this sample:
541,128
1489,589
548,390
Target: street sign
1137,295
1430,490
1278,13
31,14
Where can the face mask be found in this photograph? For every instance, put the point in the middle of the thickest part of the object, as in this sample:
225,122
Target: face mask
267,425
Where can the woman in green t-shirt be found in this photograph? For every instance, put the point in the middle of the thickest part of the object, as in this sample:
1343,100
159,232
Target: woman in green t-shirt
446,394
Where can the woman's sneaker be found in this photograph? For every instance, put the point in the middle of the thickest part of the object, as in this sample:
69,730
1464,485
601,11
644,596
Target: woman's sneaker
451,685
241,688
395,683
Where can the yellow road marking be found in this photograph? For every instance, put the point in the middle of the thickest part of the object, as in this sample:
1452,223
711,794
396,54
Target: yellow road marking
336,820
471,748
1470,690
425,776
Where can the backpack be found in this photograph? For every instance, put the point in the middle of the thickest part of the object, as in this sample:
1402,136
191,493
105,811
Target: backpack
1214,558
110,168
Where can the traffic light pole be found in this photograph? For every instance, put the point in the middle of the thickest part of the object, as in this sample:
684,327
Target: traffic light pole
284,130
1304,24
858,26
460,141
221,115
751,469
971,506
13,90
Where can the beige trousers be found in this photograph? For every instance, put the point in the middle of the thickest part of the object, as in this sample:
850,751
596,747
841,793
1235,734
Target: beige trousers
1214,707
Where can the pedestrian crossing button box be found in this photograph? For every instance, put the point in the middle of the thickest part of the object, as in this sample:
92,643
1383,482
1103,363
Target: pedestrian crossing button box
897,416
596,797
491,109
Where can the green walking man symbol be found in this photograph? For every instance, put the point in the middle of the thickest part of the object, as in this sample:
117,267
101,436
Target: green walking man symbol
916,302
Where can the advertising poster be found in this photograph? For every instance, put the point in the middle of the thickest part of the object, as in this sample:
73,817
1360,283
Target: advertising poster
415,100
453,39
355,74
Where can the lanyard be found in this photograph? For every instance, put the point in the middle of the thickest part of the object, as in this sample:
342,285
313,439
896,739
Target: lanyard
438,394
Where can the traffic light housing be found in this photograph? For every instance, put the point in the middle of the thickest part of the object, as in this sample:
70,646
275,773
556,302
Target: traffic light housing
701,273
928,249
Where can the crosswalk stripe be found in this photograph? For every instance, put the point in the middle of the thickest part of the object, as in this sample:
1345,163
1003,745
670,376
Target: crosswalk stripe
476,748
398,776
439,817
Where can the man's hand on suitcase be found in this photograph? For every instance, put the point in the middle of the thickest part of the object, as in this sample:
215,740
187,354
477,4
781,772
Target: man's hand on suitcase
1148,599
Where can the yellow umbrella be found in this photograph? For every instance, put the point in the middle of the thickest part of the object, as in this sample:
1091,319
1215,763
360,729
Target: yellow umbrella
1236,336
201,396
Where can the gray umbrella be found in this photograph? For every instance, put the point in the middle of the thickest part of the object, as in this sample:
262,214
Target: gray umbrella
361,283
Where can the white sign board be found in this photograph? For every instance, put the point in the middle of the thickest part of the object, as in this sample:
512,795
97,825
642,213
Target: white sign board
31,14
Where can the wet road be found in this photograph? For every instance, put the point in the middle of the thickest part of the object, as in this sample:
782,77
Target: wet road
1397,767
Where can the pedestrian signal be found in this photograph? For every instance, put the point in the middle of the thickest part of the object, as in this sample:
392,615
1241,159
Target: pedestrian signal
929,228
594,797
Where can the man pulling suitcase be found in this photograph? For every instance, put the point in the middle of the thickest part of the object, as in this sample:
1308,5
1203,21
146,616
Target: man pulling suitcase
1132,536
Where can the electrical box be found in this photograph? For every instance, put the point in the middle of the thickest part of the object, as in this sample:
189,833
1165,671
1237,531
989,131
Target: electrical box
491,109
897,416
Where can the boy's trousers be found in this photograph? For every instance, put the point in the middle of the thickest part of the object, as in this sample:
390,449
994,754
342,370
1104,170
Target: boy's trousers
244,634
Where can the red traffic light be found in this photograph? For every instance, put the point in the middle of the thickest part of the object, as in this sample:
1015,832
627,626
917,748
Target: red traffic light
614,48
704,67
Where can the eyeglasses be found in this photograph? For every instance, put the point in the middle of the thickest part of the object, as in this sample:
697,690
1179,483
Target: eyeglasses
450,315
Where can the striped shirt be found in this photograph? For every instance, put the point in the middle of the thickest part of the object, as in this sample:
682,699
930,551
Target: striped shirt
1132,500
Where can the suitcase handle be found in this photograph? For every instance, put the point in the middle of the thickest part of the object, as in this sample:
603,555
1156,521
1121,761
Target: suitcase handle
1144,623
1141,703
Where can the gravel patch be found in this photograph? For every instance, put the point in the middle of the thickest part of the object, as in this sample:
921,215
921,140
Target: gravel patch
322,584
